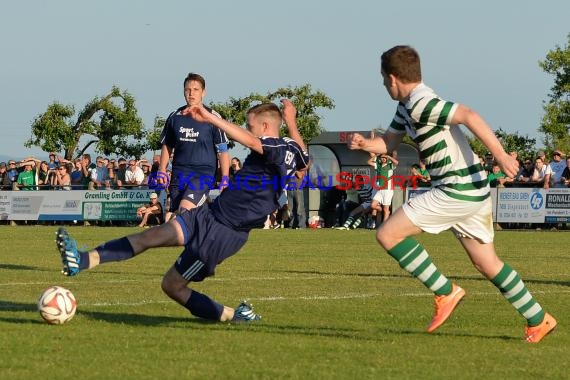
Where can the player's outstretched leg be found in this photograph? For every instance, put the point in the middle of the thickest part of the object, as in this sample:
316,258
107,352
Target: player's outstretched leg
70,256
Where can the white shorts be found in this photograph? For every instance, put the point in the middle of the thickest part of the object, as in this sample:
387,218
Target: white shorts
384,197
434,211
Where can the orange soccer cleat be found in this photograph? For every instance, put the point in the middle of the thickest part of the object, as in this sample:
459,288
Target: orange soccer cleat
535,333
444,306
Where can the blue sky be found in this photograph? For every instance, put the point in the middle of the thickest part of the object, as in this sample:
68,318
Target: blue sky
481,53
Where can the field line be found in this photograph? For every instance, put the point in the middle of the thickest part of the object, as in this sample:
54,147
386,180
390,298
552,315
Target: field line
314,297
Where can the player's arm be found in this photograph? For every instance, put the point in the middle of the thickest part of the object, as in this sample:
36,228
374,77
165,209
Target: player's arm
165,152
222,150
386,143
479,127
391,158
243,136
224,159
290,119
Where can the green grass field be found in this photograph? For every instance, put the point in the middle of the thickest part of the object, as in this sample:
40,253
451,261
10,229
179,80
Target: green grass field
334,306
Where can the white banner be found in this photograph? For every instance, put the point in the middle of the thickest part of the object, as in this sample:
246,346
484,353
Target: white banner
525,204
74,204
520,205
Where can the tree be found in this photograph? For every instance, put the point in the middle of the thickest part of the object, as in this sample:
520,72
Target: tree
110,122
153,136
524,145
304,98
556,120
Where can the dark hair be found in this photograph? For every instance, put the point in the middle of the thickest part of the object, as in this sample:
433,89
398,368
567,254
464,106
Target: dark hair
195,77
403,62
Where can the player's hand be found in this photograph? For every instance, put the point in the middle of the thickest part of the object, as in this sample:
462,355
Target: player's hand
355,141
509,165
198,113
289,111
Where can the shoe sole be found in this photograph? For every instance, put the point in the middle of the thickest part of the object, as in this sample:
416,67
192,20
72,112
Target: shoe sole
60,243
61,236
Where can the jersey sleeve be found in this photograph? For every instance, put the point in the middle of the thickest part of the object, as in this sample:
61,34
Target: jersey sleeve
301,157
167,136
220,138
398,124
432,111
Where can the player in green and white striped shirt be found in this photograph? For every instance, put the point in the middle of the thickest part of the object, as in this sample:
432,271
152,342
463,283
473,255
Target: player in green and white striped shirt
459,198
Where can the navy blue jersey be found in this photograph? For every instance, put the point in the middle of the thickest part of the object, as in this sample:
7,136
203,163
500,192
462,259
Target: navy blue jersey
255,190
195,144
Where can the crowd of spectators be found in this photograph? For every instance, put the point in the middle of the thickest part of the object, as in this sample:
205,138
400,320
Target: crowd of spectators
537,171
82,173
534,171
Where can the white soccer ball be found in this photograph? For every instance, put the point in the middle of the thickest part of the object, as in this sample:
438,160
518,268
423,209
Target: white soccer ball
57,305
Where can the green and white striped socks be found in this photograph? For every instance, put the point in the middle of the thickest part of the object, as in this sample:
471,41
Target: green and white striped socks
413,258
513,289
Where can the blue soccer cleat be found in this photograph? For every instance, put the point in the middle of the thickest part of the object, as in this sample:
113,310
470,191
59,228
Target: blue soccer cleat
244,313
70,256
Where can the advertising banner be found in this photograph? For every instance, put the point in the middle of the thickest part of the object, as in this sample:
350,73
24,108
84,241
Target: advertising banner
557,206
520,205
74,204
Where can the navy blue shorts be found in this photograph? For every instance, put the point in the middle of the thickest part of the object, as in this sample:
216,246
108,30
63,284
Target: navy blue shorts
193,190
208,243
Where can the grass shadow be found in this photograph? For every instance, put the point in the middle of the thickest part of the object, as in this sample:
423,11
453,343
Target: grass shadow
18,267
406,275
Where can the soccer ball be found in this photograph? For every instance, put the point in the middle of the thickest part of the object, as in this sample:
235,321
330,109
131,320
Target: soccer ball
57,305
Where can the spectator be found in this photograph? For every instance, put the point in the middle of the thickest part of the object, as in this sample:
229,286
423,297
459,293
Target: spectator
542,155
382,199
425,179
27,178
13,171
52,164
5,183
62,179
496,177
134,175
45,176
111,175
146,168
235,166
422,180
87,167
296,201
151,213
541,173
99,176
120,174
557,166
566,174
525,174
359,214
76,174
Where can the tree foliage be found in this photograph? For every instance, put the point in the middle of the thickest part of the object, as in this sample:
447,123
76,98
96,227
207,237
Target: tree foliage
110,123
153,136
556,120
523,145
303,97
